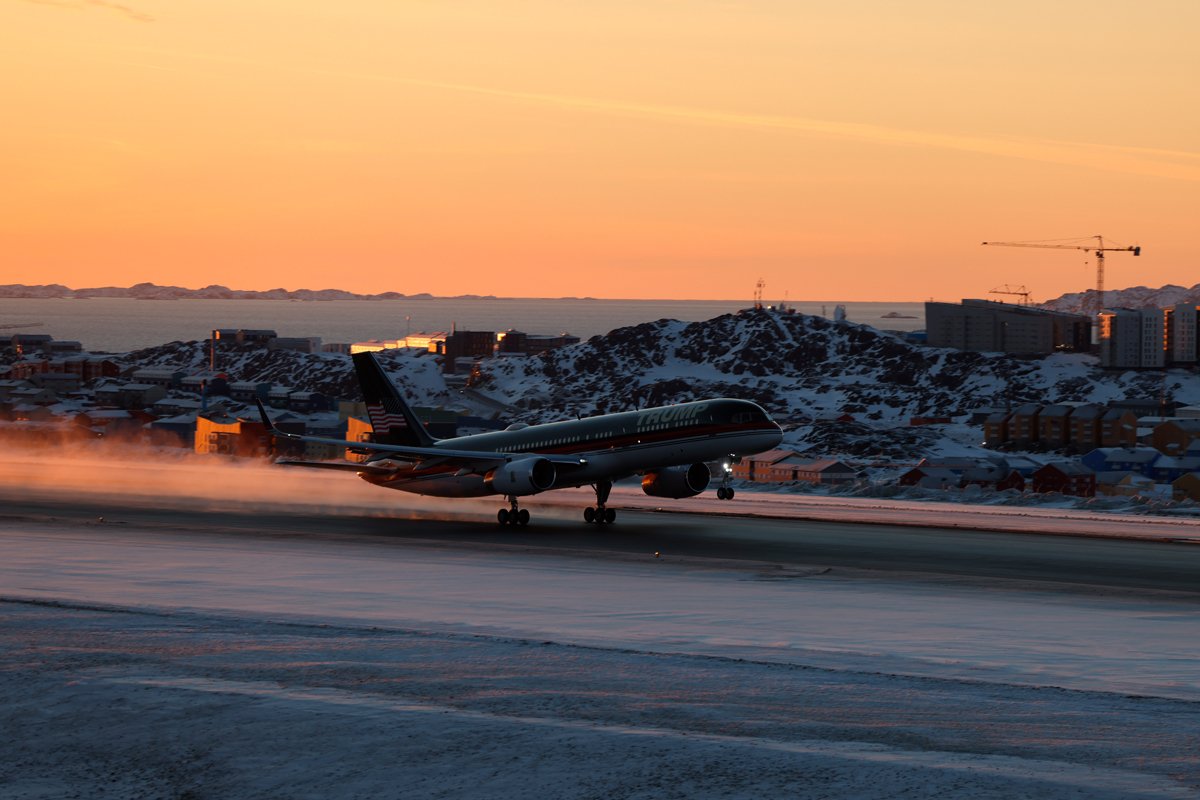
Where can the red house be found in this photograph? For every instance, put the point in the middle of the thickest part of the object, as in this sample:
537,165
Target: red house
1065,477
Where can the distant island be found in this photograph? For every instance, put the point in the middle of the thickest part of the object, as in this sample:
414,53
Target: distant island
152,291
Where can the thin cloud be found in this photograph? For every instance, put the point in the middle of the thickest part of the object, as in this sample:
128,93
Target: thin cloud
1173,164
1176,164
131,13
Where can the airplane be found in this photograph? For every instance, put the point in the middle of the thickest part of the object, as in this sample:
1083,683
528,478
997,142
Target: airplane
669,446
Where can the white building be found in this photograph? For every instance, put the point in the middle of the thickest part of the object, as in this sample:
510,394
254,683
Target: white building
1120,338
1153,345
1181,333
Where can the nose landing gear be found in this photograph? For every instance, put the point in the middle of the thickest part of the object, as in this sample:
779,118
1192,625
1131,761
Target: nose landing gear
516,517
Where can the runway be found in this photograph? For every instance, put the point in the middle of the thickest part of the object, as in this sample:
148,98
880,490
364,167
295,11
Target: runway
1162,565
207,633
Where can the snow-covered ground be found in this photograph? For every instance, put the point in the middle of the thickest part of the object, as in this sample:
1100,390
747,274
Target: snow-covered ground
189,662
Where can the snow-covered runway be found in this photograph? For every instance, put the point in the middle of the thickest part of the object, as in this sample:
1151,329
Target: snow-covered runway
152,661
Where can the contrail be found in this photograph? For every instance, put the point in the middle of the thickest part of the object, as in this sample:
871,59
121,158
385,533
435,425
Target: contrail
1161,163
131,13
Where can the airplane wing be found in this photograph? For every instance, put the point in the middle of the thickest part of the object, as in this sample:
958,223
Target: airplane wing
347,466
480,459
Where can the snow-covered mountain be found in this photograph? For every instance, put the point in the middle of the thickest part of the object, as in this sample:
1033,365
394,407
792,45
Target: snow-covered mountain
1133,297
798,367
417,374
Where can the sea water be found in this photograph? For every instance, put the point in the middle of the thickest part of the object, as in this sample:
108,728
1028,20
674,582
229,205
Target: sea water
109,324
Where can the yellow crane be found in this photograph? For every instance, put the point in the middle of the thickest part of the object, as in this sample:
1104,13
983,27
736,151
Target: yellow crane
1020,291
1099,248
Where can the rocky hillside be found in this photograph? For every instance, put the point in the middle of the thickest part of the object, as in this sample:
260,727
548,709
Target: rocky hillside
799,367
1133,297
418,375
803,369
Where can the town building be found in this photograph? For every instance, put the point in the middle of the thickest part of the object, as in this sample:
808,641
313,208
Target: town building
221,433
431,342
1065,477
1120,334
1024,429
1085,426
514,342
931,477
249,391
466,345
1054,425
58,382
989,326
1175,437
376,345
1183,346
823,471
166,378
298,344
1121,459
1169,468
1118,428
996,428
1124,484
1186,487
25,343
279,396
173,431
140,395
8,386
758,466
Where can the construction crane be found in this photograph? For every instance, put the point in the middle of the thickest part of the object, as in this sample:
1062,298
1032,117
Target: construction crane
1020,291
1099,248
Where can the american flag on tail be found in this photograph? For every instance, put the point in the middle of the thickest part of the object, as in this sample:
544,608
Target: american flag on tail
384,420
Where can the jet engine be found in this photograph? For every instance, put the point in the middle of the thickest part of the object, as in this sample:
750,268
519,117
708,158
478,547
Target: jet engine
521,477
676,482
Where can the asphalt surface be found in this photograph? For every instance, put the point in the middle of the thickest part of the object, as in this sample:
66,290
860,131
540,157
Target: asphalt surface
1066,561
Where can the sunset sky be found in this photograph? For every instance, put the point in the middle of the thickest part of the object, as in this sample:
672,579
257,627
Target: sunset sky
624,148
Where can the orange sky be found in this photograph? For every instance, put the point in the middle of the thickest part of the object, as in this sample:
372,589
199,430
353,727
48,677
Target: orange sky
625,148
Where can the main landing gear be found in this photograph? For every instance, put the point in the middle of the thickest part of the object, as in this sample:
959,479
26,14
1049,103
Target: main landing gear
600,515
725,491
517,517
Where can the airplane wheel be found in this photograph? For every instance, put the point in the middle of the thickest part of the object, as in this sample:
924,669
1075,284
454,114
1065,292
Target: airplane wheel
729,494
589,514
720,492
523,517
610,515
502,516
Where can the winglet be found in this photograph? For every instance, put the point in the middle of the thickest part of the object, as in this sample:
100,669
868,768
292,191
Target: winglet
262,412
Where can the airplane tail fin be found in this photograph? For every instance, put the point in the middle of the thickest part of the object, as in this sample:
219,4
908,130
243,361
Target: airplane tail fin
394,422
